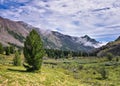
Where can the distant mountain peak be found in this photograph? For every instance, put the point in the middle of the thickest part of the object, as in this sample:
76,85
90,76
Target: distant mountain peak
89,39
86,36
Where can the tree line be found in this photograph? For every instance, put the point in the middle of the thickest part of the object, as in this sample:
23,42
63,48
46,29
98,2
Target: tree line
7,50
56,54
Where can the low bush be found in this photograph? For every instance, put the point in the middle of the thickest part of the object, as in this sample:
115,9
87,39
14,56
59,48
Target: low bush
103,72
17,59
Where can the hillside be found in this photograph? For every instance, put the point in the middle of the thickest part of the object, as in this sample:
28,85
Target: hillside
14,32
111,47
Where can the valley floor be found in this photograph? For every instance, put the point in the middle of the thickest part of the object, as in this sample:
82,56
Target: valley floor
62,72
16,76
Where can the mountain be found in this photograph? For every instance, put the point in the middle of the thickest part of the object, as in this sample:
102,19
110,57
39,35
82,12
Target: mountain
66,42
14,32
111,47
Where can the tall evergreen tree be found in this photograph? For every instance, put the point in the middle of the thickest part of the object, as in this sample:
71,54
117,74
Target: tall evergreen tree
1,48
7,50
33,51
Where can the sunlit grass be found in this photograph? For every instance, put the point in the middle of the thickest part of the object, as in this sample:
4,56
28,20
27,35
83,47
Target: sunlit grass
17,76
61,72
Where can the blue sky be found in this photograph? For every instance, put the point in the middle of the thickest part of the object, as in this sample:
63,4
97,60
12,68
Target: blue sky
100,19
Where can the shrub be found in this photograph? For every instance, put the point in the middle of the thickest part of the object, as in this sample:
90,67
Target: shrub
2,60
117,59
80,67
12,49
17,59
103,72
33,52
109,56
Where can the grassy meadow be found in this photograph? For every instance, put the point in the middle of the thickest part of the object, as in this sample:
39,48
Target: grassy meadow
82,71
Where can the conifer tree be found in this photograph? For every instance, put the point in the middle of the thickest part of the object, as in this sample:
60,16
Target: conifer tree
33,51
1,48
7,50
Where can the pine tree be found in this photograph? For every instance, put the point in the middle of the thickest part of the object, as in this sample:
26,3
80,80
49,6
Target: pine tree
17,59
7,50
1,48
12,49
33,51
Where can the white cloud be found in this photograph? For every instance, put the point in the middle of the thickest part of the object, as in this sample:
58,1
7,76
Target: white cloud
73,17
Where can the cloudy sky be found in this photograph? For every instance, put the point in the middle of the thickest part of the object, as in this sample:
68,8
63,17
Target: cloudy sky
100,19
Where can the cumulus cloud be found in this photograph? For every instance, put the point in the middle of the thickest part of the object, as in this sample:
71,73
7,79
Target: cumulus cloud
96,18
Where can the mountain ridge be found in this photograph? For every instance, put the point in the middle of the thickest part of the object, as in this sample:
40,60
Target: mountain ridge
15,32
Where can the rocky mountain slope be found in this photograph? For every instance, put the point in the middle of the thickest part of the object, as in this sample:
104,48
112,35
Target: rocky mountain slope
14,32
111,47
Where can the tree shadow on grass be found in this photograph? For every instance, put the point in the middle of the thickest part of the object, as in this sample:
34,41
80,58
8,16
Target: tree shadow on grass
22,70
100,78
16,70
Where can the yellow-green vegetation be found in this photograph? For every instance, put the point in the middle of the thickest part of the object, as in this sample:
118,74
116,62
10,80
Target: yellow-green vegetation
62,72
91,71
16,76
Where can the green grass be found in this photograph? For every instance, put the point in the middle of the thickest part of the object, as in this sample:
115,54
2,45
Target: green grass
61,72
16,76
86,70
